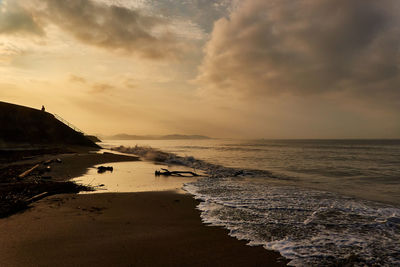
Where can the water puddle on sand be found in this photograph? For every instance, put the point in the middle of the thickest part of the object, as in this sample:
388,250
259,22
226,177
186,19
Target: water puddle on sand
137,176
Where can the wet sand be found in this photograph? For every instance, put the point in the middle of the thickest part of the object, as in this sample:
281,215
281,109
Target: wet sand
24,181
76,165
125,229
119,229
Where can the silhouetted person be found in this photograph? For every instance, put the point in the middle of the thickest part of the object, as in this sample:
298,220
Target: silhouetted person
43,109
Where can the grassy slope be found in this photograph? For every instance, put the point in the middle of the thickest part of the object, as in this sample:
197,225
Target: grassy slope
19,124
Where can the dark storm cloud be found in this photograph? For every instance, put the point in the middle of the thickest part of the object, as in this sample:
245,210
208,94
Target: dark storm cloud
106,26
113,27
16,20
202,12
304,47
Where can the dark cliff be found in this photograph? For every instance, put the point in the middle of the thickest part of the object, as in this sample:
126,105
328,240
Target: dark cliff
24,125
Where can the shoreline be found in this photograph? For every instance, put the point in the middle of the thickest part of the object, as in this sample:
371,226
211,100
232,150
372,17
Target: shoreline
25,181
123,229
139,229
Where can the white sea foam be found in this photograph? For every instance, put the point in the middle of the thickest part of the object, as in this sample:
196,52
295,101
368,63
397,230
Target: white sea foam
310,227
212,170
307,226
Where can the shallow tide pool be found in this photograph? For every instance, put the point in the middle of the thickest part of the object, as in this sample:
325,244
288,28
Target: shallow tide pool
136,176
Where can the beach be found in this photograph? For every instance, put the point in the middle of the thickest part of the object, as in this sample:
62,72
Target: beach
26,179
317,202
199,133
124,229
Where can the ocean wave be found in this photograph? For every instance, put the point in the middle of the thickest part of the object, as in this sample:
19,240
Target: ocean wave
310,227
210,169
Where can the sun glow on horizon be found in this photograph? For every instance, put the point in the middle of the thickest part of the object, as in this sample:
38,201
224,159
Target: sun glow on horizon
222,68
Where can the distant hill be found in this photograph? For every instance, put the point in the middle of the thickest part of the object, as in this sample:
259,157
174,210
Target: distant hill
179,136
24,125
155,137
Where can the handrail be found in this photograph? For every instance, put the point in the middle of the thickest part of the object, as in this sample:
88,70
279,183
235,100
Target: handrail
68,124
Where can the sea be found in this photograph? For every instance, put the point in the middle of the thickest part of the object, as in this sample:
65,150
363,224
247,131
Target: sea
317,202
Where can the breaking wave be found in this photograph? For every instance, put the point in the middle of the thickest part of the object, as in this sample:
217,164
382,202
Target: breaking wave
309,227
211,170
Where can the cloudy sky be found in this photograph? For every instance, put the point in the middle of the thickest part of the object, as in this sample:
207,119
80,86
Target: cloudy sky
223,68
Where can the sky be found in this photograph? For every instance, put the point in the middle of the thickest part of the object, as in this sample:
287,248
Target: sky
223,68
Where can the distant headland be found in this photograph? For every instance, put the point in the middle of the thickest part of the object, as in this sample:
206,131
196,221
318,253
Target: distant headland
155,137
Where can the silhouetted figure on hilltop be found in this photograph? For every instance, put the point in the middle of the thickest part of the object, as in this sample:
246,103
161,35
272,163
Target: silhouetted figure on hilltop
43,109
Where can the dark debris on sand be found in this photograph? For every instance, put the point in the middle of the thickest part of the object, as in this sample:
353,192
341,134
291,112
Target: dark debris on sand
17,193
13,155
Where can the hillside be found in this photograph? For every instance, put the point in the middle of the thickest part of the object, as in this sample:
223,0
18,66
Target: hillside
21,125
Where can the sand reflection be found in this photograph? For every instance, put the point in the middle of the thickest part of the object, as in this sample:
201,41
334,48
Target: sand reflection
132,177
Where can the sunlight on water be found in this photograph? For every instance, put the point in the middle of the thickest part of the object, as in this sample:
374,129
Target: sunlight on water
135,176
367,169
318,202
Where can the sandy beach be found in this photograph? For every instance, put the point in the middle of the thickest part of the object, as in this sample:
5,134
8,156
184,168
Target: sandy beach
119,229
199,133
48,174
132,229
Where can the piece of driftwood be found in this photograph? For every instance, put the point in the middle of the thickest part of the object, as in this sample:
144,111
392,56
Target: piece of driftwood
37,197
27,172
166,172
102,169
47,162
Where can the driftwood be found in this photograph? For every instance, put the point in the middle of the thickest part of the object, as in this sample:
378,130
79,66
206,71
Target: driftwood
50,161
102,169
166,172
27,172
37,197
47,162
